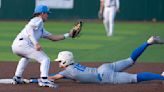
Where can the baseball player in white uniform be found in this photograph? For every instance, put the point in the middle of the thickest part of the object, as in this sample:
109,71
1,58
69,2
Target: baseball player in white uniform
108,9
26,45
109,72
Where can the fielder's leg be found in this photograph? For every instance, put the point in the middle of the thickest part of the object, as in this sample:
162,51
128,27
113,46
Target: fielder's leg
44,60
106,20
19,71
21,66
112,13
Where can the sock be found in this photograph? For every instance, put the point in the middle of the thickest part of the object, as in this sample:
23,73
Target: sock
138,51
44,77
18,77
147,76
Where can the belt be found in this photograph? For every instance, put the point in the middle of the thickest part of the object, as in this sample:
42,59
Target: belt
20,38
110,5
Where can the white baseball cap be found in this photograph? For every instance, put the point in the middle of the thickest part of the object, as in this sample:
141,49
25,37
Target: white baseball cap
65,58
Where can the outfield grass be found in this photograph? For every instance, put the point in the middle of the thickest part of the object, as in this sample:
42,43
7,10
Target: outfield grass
92,45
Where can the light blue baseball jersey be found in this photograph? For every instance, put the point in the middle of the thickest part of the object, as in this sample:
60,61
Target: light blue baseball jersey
81,73
106,73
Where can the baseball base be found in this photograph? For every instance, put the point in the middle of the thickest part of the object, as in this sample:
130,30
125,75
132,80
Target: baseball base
9,81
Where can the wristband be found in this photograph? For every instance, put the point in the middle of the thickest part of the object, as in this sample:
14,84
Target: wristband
66,35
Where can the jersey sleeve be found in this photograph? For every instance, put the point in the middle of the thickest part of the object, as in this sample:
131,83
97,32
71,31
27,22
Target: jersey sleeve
117,4
64,73
31,36
32,26
45,33
35,23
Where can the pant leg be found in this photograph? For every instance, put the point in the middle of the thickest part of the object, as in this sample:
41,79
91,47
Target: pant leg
116,66
24,49
124,78
121,64
21,66
126,63
112,13
43,59
139,50
147,76
112,77
109,73
20,47
106,19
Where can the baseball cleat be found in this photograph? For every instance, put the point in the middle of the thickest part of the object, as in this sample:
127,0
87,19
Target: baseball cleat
109,34
47,83
155,40
17,80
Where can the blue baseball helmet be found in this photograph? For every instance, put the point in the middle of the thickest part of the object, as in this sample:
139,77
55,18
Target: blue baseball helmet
41,9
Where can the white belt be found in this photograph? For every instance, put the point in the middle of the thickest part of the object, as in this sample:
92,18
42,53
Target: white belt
111,6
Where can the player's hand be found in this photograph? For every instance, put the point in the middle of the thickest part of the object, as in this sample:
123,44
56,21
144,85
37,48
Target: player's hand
38,47
117,10
100,15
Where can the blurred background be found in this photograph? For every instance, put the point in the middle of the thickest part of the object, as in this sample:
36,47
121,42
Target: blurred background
130,10
136,22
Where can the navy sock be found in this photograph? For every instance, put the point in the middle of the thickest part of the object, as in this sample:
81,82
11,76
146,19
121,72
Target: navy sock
138,51
147,76
44,78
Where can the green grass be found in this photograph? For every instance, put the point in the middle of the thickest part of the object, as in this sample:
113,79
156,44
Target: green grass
92,45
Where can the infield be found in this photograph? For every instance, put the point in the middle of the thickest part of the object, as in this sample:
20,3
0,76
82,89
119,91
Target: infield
7,70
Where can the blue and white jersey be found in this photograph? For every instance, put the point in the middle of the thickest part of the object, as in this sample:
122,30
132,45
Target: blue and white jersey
81,73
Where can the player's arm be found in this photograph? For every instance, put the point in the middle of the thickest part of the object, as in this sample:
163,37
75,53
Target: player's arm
58,37
31,36
101,6
51,37
56,77
117,5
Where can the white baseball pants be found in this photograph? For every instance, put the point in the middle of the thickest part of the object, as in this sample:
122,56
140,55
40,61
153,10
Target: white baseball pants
27,51
109,15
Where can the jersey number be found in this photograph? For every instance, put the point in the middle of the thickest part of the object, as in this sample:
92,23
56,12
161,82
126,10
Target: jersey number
79,67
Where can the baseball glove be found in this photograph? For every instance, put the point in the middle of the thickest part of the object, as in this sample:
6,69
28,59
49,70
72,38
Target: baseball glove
77,29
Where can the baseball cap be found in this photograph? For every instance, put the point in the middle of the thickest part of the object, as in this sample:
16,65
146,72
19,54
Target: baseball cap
41,9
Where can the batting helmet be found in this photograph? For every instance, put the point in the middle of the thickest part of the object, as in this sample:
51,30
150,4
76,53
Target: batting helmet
41,9
65,58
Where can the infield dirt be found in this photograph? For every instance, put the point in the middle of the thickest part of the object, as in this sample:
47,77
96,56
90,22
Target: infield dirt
7,70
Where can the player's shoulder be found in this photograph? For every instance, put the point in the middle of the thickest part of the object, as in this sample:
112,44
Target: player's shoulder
36,21
70,67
